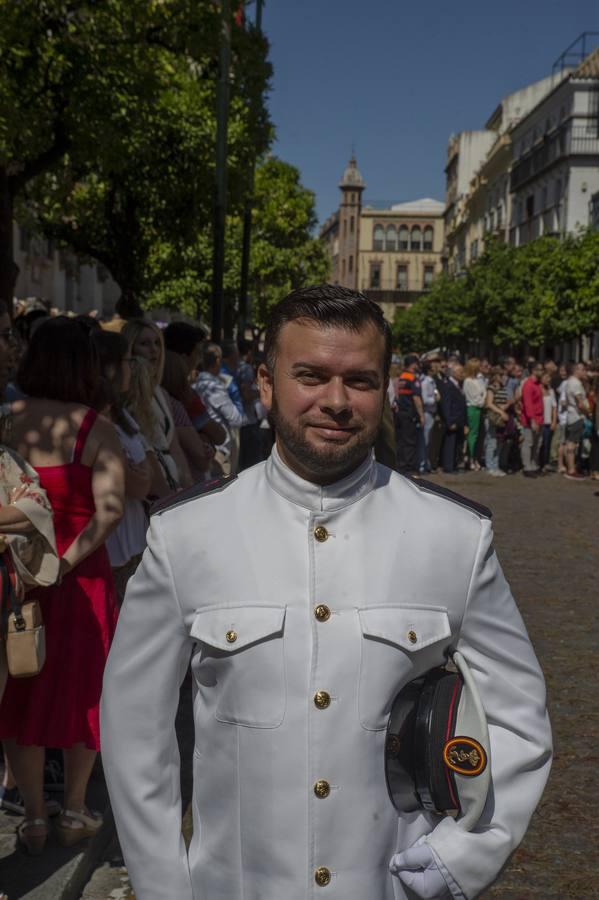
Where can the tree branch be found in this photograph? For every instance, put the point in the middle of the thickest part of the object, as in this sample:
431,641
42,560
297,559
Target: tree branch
34,167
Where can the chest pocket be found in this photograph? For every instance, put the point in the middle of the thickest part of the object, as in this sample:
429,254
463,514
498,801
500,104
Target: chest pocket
398,643
240,665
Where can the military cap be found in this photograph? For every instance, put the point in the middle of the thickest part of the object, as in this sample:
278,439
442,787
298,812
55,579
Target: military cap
437,753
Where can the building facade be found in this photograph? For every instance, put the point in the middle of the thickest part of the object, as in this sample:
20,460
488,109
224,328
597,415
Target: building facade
478,198
392,255
58,276
555,170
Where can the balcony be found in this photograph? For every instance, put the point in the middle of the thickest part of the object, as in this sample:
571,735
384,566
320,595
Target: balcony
562,143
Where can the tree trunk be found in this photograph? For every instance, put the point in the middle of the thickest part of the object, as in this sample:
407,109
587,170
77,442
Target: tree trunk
8,268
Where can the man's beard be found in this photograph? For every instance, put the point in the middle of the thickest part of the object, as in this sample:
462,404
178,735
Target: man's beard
331,462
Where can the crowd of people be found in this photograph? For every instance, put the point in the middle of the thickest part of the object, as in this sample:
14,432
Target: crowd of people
109,420
456,416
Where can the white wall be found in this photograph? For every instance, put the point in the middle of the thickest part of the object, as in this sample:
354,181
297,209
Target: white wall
79,288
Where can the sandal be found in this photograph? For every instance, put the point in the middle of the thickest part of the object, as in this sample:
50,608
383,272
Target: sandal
74,827
33,843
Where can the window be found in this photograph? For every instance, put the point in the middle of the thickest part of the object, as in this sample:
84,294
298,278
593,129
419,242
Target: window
402,278
499,215
343,269
375,276
351,225
404,238
558,191
530,206
429,274
428,238
345,228
473,254
544,198
378,237
391,238
350,265
595,212
416,238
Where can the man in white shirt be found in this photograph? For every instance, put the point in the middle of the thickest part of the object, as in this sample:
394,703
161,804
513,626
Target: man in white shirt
576,408
306,593
212,389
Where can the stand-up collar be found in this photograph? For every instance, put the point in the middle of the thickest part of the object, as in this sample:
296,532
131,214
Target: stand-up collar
316,497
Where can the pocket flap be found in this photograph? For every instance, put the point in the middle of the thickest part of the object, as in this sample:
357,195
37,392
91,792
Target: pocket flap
410,627
233,627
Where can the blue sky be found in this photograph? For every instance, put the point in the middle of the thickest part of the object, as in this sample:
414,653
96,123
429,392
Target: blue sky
396,78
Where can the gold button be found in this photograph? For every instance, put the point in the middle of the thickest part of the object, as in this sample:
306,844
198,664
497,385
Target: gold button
321,534
322,876
322,699
322,612
412,637
322,789
231,636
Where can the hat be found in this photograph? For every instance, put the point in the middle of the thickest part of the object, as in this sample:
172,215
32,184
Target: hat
437,753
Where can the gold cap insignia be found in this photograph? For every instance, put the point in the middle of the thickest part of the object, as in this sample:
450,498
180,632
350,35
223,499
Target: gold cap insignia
465,756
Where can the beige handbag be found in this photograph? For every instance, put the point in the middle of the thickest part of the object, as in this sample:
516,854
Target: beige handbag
25,634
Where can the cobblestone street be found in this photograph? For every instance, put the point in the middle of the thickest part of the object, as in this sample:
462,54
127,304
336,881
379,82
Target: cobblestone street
547,540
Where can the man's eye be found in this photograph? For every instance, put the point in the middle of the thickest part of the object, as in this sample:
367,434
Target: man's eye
361,384
309,377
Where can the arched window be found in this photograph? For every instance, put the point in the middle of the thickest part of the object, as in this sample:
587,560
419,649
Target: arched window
378,237
416,238
428,238
391,238
350,266
404,238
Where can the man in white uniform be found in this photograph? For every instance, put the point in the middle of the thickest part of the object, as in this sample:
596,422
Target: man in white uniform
306,593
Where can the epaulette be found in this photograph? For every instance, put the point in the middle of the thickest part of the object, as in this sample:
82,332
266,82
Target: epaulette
430,487
196,490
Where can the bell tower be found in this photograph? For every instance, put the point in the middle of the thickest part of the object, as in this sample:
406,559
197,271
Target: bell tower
351,185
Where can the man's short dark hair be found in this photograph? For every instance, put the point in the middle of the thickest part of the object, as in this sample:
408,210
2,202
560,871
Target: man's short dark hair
183,338
410,359
327,305
229,348
244,345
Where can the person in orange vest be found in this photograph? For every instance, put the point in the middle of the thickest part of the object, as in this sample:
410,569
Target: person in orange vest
409,415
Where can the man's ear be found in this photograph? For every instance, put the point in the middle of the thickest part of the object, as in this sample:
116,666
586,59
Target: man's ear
265,383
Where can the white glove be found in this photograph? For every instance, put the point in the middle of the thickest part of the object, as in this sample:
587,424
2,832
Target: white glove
418,870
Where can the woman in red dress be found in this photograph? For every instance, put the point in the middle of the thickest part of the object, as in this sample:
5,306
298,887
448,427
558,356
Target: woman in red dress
79,461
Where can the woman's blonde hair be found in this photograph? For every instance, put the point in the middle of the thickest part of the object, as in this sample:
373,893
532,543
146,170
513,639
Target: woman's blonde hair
138,399
131,331
472,367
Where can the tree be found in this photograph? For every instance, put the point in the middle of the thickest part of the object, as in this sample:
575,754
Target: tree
284,253
513,297
128,87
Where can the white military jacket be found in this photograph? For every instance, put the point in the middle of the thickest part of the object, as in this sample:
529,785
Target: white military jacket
304,610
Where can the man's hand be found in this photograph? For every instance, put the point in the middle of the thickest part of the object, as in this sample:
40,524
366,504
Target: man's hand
534,425
418,870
